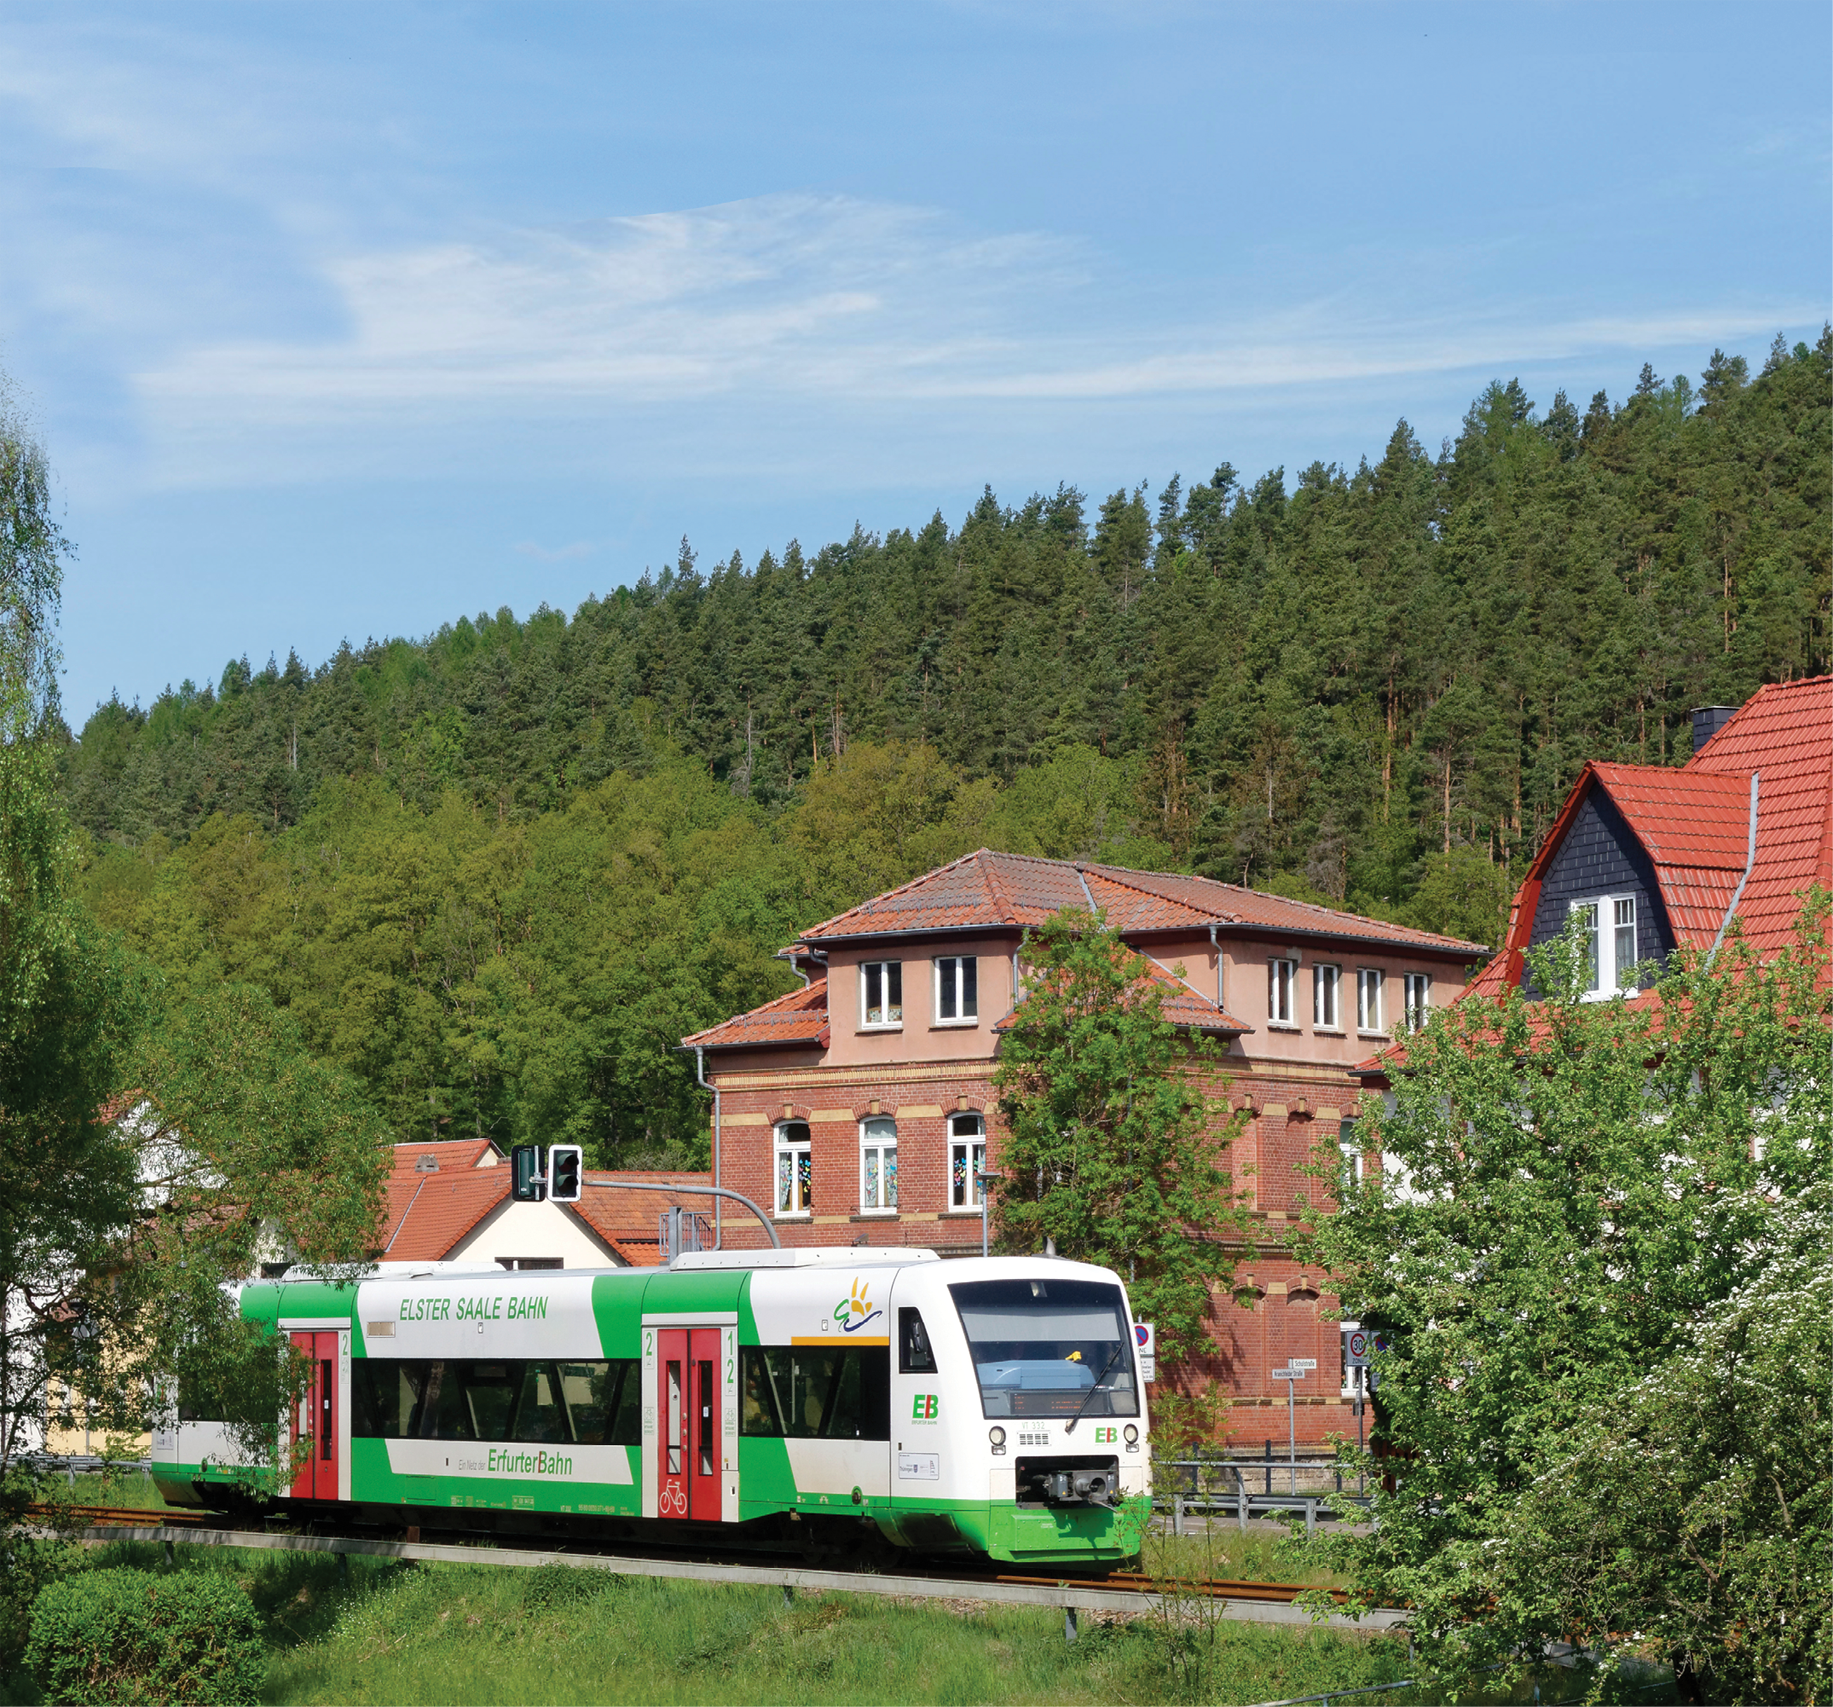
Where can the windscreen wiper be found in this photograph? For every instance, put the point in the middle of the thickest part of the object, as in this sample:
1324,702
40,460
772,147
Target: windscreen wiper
1070,1426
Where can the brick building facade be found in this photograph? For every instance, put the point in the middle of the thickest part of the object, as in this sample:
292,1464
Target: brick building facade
858,1109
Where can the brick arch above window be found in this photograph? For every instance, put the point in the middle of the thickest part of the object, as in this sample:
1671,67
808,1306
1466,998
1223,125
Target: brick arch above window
788,1111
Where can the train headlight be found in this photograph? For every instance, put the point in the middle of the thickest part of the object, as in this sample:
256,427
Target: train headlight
997,1436
1132,1438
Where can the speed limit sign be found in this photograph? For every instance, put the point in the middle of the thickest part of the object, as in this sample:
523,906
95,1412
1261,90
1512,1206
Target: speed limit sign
1358,1347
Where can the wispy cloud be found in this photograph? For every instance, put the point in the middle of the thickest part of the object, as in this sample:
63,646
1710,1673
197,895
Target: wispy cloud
827,303
556,553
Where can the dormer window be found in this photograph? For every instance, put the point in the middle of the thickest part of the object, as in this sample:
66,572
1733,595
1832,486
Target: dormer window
1607,945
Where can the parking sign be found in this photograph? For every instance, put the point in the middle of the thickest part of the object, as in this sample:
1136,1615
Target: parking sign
1145,1343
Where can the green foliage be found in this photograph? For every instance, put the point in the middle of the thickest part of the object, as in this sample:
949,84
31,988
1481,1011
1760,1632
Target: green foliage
1575,1201
1697,1507
70,1003
456,1634
1111,1148
1462,894
151,1132
497,874
115,1635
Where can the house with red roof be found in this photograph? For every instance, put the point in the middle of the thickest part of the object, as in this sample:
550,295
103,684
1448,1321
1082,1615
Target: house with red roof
1649,858
860,1108
450,1201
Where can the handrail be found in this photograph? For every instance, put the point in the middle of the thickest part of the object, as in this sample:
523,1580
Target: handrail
692,1191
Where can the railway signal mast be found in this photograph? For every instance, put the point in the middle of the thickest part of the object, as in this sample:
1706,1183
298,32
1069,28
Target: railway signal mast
541,1174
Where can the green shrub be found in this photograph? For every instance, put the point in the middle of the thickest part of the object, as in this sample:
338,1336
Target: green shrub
124,1635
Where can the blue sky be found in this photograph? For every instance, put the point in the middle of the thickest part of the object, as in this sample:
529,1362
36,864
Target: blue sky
345,320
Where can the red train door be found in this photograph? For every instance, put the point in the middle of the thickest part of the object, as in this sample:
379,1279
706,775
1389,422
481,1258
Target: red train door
688,1441
315,1421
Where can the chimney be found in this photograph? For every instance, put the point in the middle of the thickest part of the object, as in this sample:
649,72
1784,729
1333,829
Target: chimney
1708,720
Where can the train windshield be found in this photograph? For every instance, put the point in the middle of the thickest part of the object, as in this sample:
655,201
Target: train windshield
1049,1348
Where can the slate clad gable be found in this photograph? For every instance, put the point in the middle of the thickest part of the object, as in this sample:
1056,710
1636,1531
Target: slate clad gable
1602,855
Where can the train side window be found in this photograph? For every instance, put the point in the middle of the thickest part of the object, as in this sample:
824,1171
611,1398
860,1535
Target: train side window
859,1400
441,1413
913,1354
759,1412
385,1398
490,1395
604,1400
540,1414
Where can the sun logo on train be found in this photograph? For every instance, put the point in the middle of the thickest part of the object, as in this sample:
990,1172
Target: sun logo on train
856,1309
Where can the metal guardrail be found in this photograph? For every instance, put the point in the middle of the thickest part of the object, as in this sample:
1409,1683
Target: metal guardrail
1237,1501
72,1464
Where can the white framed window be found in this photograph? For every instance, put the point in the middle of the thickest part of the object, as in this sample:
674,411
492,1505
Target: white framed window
1607,963
1282,975
1418,990
881,994
1371,999
877,1165
1325,1008
967,1159
957,990
1349,1147
795,1169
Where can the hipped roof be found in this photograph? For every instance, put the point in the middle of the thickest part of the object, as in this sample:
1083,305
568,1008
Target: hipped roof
992,890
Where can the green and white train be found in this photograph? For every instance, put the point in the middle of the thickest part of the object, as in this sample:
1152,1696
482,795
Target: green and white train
813,1399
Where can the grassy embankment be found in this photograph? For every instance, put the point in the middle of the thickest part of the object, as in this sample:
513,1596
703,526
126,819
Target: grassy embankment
405,1633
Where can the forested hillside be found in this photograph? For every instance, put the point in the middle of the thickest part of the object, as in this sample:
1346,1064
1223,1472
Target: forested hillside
500,870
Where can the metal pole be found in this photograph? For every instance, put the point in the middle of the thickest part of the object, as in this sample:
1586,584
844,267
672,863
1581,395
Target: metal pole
692,1191
983,1181
701,1080
1292,1429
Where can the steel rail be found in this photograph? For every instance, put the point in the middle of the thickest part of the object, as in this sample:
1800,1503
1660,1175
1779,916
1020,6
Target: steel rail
1272,1605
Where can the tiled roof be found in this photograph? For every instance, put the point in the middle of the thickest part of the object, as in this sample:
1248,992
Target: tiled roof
1784,732
994,890
429,1213
799,1017
627,1220
1696,828
1695,824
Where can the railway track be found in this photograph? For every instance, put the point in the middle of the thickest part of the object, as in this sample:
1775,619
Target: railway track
111,1516
1115,1582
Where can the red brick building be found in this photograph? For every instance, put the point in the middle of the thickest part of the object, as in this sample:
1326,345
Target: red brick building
858,1109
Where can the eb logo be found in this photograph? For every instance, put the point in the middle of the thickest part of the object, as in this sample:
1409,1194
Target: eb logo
1107,1436
924,1407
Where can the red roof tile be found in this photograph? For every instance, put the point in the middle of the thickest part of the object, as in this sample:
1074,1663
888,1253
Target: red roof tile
627,1220
991,890
430,1213
1784,732
1695,824
799,1017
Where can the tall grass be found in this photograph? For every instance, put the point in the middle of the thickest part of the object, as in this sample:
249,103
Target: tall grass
395,1632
